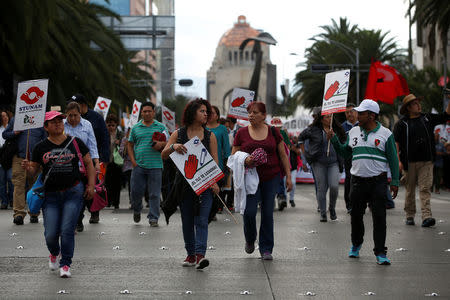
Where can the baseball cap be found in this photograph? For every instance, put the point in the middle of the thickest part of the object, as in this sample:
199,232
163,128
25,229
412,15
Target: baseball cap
50,115
368,105
77,98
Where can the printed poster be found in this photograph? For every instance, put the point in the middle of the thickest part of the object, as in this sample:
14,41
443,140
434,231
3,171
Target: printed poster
134,116
240,99
102,106
31,103
335,92
197,166
168,119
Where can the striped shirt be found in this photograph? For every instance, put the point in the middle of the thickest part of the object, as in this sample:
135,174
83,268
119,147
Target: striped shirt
141,136
372,152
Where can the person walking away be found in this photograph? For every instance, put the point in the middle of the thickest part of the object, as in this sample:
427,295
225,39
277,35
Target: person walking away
64,190
195,209
127,165
25,140
326,166
6,186
75,125
414,138
294,158
223,150
351,121
147,164
438,168
101,136
373,152
260,135
113,170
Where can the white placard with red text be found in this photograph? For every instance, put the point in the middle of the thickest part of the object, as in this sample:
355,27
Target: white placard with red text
134,116
30,104
335,92
240,99
168,118
102,106
197,166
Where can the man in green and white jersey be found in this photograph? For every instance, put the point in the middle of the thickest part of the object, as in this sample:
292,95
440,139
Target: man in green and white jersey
373,152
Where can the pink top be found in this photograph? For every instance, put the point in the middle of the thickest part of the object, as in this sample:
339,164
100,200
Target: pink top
270,169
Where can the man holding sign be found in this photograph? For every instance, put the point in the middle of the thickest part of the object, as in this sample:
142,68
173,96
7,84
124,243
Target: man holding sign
26,130
194,151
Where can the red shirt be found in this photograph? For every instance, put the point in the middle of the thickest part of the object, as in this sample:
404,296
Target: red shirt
269,144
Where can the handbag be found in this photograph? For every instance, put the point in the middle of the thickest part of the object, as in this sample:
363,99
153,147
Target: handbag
100,199
35,196
117,158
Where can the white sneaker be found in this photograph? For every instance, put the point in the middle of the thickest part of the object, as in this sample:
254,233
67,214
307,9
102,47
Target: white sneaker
64,272
53,262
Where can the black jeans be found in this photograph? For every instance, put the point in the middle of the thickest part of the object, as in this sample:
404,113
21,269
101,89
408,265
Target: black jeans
347,184
370,190
113,183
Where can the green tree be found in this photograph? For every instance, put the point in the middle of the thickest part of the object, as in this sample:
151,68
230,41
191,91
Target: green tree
65,41
372,44
424,83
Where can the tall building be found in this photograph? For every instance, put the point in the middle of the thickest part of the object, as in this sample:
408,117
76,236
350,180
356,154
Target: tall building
160,62
232,68
431,59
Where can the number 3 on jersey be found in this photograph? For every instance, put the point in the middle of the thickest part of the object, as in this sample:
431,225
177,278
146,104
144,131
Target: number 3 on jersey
355,141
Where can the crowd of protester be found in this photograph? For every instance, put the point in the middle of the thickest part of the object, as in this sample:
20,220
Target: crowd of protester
260,162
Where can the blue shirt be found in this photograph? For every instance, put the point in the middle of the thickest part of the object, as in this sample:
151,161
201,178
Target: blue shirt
347,126
84,132
223,143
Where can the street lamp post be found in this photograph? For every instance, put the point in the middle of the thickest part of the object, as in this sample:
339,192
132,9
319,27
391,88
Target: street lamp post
356,61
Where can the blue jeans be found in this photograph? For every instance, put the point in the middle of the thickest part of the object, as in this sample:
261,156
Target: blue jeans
140,178
61,211
195,228
265,195
326,177
6,186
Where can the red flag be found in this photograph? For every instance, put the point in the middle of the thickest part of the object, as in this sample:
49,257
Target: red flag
385,83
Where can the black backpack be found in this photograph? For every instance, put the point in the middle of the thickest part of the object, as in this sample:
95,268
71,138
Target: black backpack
7,153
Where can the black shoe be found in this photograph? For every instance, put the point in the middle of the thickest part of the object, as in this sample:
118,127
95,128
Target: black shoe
410,221
4,206
323,218
333,215
95,218
18,220
292,203
80,227
34,219
428,222
137,217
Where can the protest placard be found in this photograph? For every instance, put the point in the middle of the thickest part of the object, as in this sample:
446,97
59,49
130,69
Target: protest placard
197,166
30,104
240,99
102,106
168,119
335,92
134,116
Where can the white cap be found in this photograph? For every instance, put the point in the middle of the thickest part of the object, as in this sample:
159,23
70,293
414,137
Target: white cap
368,105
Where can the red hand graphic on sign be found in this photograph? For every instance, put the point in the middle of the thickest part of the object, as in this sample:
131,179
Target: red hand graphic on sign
167,115
32,95
237,102
331,90
190,166
102,105
135,109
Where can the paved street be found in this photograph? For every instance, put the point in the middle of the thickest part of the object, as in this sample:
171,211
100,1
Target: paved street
309,257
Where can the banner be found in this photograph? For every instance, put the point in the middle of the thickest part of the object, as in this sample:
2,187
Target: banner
168,119
134,116
197,166
102,106
31,103
335,92
240,99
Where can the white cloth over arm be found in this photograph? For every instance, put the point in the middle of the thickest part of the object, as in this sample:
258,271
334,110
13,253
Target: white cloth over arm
245,180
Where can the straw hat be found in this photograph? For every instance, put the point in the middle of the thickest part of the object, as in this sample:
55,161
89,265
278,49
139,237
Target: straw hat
406,101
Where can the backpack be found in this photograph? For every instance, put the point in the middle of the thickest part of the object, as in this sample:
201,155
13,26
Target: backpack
7,153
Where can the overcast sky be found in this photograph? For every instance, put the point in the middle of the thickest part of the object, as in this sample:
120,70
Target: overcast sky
201,23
